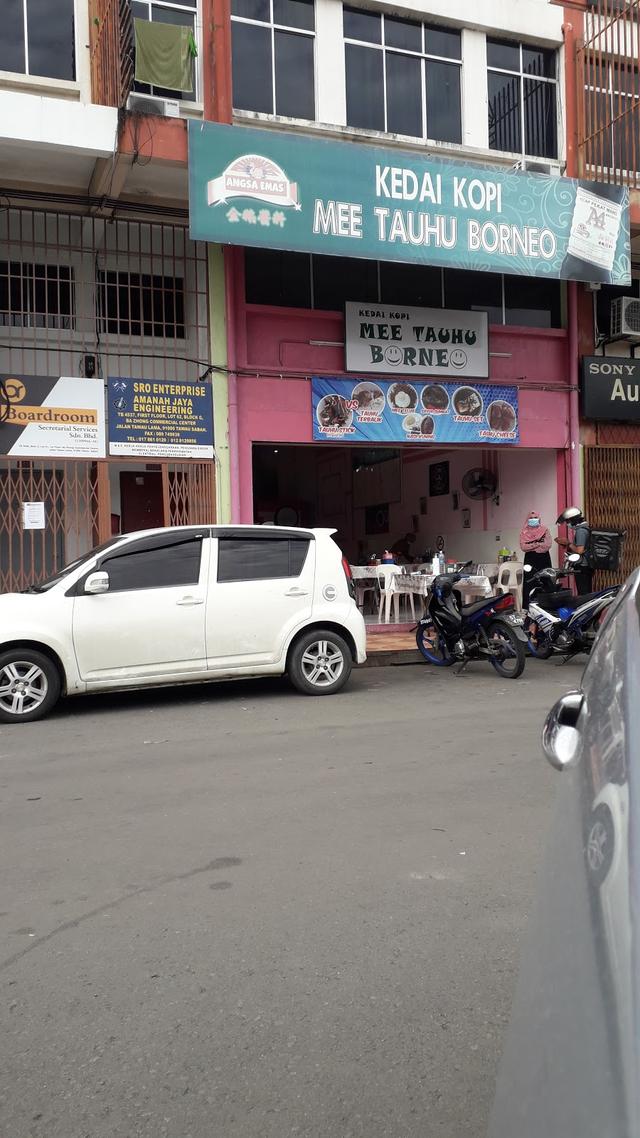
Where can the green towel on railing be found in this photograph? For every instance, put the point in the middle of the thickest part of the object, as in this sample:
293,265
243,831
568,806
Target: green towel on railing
164,55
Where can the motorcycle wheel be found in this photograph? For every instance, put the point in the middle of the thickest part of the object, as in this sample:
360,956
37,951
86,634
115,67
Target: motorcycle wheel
432,647
540,648
511,664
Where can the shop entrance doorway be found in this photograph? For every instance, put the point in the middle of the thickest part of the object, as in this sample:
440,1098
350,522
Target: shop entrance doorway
375,497
141,500
612,491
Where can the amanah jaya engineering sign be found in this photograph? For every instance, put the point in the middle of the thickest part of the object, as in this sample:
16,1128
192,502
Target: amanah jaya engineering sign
282,191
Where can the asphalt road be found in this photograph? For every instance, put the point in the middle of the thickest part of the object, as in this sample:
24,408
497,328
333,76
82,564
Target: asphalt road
234,912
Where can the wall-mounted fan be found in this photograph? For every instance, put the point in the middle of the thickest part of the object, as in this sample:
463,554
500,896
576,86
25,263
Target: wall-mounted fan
479,483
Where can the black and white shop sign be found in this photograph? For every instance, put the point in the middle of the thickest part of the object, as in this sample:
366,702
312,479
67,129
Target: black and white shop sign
611,388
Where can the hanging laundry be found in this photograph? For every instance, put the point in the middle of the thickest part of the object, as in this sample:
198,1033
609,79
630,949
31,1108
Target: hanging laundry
164,55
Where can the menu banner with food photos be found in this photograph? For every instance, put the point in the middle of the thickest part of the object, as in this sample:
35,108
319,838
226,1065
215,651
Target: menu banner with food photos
375,411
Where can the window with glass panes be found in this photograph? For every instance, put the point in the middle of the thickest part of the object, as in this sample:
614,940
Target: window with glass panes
37,37
522,82
402,76
273,43
183,13
305,280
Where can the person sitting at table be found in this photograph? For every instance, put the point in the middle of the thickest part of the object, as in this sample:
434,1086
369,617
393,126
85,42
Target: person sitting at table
401,549
535,543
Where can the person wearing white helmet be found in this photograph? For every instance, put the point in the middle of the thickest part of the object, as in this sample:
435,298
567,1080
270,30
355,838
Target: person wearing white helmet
576,521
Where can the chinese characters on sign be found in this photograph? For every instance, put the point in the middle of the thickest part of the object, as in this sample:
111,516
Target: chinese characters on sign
279,191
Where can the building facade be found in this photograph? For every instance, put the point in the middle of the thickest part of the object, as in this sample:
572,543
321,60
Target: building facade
481,83
603,101
99,282
101,279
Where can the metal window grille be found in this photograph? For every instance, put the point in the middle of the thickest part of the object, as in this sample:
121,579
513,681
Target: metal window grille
523,110
140,304
51,321
111,51
36,296
609,93
132,294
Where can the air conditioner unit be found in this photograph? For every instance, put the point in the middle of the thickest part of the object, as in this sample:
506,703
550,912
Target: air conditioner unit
625,318
551,168
150,105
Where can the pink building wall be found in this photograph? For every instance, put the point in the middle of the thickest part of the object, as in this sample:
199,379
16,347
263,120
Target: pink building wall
279,349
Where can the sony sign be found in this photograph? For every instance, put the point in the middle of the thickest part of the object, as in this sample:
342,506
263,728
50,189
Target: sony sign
611,388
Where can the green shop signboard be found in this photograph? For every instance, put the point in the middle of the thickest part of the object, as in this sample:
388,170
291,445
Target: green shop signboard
286,191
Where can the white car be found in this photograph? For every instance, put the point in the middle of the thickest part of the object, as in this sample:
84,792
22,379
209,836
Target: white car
181,605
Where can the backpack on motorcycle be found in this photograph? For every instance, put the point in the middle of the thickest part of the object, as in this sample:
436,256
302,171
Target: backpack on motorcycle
604,548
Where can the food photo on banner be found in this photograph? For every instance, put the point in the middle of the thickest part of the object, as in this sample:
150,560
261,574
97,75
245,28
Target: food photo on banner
160,418
367,410
281,191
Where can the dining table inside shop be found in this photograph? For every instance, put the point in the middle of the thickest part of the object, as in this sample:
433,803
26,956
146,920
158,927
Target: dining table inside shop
404,581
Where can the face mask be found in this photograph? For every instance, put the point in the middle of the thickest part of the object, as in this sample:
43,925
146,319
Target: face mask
533,522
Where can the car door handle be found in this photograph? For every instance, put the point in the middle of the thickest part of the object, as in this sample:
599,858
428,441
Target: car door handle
190,601
297,593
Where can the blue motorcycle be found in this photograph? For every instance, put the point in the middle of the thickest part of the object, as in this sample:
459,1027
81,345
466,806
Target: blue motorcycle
559,623
453,633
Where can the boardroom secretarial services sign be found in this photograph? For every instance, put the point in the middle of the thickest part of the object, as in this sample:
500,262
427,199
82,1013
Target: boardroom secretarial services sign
53,417
281,191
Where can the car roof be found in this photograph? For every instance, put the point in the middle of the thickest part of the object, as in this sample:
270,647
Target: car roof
233,531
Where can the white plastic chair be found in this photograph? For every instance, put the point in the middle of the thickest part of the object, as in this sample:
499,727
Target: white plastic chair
510,580
386,573
490,570
364,585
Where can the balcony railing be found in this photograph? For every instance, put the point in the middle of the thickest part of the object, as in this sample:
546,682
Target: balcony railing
111,47
608,79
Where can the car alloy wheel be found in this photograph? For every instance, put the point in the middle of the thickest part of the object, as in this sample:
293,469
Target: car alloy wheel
597,842
322,663
23,687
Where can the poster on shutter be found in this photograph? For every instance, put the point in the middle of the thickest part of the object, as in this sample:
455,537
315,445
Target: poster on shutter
416,341
53,417
375,411
160,419
33,515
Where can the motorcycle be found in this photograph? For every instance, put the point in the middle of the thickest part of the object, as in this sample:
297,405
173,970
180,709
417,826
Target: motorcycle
556,621
453,633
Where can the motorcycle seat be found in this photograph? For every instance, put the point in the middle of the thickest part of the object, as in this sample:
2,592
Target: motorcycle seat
564,600
475,606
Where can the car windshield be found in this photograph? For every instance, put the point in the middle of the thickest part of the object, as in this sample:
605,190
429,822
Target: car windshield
44,586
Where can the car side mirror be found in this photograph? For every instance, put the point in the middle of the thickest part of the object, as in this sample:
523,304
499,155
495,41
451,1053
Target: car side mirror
96,583
561,735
